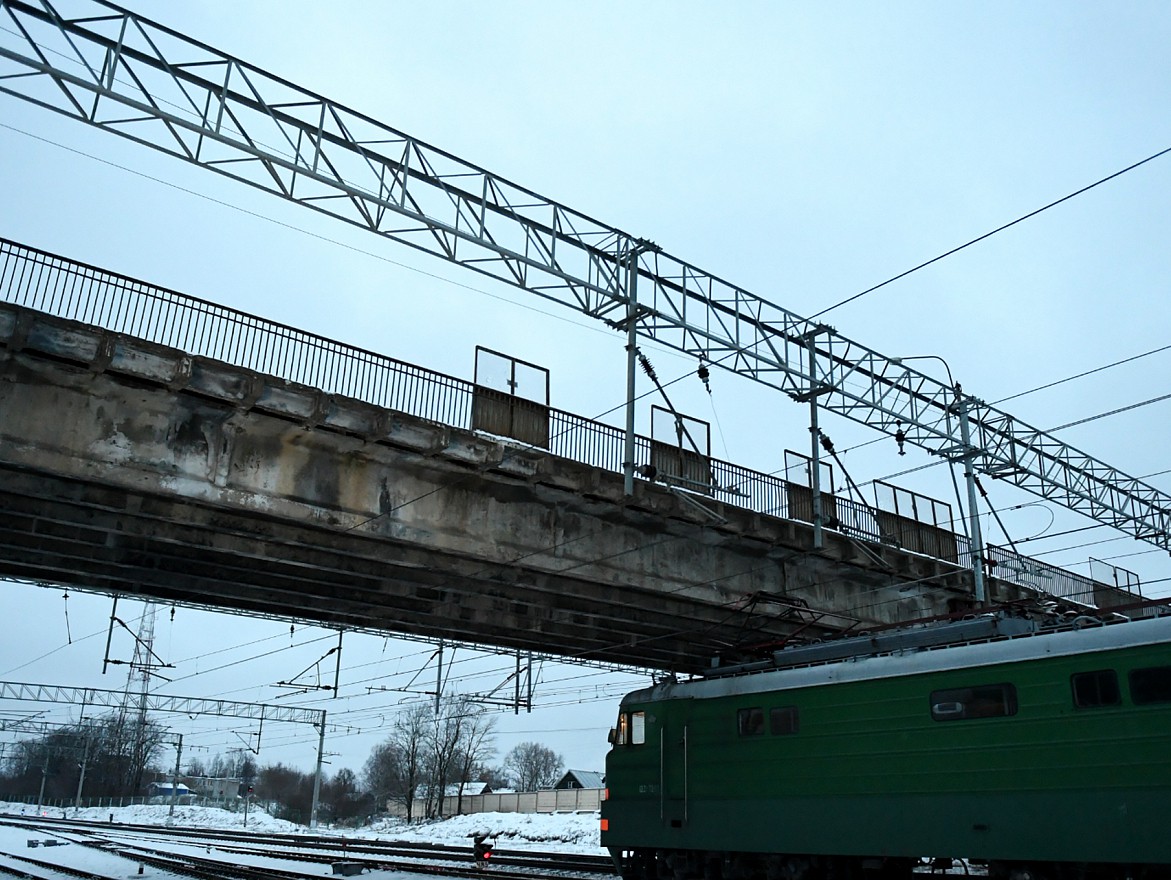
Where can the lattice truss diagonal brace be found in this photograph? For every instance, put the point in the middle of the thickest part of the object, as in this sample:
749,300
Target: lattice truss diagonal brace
115,70
48,693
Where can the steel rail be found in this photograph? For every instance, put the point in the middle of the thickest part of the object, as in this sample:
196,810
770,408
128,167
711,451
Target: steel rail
192,101
308,847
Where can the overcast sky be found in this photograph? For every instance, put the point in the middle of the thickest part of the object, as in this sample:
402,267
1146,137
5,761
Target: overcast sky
803,151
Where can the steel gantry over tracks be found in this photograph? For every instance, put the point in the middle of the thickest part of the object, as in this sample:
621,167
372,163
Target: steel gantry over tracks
123,73
82,696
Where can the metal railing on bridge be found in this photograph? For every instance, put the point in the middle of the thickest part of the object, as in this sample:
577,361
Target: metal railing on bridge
38,280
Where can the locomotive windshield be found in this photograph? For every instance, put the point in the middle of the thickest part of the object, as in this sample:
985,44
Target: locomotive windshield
631,729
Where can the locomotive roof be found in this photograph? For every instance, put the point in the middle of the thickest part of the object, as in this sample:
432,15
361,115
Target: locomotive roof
1011,649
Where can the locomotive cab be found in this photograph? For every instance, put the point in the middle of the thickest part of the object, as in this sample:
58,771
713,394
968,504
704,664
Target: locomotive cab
1040,755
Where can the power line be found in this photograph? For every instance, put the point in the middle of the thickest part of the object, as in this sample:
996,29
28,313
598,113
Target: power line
1080,375
649,392
1112,412
987,235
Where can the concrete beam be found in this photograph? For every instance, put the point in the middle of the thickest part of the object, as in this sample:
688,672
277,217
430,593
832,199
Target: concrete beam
131,467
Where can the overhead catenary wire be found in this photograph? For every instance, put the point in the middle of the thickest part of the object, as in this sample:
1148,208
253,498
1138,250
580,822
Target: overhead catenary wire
935,463
187,111
730,603
987,235
1083,374
1113,412
733,602
689,374
344,720
377,256
649,392
884,282
303,738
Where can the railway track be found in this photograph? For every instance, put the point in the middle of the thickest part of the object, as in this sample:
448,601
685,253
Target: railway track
226,854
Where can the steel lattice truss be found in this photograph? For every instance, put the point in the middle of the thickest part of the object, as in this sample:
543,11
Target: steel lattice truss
120,72
44,693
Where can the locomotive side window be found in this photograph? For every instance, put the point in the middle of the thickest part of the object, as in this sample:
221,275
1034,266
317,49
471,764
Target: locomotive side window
750,722
631,729
782,720
982,701
1151,685
1098,688
637,728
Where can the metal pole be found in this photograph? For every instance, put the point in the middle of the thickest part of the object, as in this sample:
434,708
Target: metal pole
44,776
175,780
317,775
815,445
110,635
631,368
529,682
84,756
973,515
438,677
81,778
337,672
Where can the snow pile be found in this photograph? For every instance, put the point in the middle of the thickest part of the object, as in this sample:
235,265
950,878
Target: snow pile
564,832
158,814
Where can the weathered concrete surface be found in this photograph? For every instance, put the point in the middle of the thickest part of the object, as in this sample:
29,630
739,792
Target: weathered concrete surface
130,467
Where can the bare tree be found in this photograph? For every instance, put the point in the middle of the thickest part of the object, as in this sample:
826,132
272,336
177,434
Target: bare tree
476,747
236,764
290,790
382,773
494,777
447,734
426,753
117,756
395,769
343,798
532,766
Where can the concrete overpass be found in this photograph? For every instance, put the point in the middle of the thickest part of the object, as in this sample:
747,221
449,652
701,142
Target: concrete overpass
135,467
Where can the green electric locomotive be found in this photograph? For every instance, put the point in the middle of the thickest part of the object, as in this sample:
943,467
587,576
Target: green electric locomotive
1042,751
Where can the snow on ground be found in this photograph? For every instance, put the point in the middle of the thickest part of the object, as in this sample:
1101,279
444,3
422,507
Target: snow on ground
157,814
558,832
549,832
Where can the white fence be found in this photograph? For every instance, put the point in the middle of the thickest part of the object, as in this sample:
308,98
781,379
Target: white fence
561,800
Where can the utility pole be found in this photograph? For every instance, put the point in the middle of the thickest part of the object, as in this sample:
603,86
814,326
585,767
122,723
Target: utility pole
438,679
44,776
814,391
631,369
84,754
81,777
317,775
175,783
969,456
815,447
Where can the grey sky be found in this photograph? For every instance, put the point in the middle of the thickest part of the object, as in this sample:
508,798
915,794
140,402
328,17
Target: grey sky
803,151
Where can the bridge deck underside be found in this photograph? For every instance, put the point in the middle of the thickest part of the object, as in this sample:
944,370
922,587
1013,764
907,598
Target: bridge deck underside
127,467
101,538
